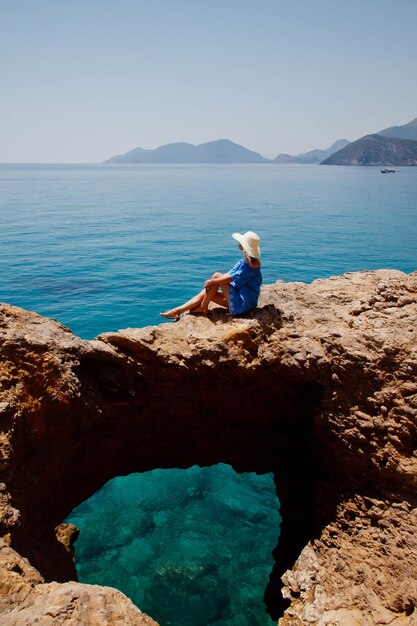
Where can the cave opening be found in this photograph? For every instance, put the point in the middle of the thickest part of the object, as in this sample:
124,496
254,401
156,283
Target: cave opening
174,419
190,547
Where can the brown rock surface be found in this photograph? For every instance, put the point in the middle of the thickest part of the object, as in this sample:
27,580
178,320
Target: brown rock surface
319,385
26,599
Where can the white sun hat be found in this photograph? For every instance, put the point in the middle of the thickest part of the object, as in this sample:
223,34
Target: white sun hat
250,243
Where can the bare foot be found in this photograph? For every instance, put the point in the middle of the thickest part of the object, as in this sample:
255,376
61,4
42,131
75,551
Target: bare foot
199,311
171,314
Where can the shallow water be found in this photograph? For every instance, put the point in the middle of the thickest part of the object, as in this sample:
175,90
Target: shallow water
190,547
106,247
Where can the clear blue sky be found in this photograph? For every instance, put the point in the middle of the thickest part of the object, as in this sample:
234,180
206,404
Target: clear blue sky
82,80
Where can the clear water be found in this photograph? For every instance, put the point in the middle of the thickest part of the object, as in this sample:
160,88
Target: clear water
106,247
189,547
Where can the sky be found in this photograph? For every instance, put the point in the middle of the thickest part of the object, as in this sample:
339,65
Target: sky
83,80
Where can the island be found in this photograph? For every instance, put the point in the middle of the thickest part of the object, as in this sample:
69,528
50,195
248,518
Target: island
376,150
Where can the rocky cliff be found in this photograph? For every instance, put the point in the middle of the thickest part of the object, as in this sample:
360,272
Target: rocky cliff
318,386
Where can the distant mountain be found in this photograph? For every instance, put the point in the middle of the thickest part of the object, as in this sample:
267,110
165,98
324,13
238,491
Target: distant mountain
406,131
314,156
220,151
376,150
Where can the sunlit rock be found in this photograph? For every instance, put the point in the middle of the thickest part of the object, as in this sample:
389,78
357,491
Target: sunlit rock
318,386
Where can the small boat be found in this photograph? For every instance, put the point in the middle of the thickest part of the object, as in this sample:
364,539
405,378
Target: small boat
387,171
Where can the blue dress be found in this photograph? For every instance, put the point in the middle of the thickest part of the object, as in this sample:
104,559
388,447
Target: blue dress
245,287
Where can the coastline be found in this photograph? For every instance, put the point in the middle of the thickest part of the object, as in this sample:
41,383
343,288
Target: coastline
333,365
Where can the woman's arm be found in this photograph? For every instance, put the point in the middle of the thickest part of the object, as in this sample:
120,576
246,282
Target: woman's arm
222,279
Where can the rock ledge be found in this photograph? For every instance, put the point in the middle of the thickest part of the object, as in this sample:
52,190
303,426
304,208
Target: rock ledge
318,385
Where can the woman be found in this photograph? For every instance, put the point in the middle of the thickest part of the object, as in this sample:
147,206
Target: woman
238,290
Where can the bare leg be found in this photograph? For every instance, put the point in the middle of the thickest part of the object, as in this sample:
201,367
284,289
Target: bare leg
213,294
225,294
200,302
209,295
187,306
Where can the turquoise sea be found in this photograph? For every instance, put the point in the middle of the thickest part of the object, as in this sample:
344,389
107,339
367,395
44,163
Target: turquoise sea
102,247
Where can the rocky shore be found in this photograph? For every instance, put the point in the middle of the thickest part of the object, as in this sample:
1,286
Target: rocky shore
318,385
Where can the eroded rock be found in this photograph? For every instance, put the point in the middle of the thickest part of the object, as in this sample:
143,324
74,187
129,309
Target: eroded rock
26,599
319,385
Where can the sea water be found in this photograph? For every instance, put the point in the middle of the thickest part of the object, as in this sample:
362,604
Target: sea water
189,547
106,247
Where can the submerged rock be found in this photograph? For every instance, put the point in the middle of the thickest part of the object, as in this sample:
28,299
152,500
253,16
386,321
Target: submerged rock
317,385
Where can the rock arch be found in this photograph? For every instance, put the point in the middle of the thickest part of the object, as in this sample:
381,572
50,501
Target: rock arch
317,386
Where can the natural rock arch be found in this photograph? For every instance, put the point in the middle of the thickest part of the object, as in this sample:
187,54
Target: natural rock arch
316,386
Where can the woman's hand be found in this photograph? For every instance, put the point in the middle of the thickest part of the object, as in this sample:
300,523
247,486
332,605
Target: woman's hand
218,280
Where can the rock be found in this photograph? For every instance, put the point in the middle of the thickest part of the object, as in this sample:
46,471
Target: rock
317,385
25,599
